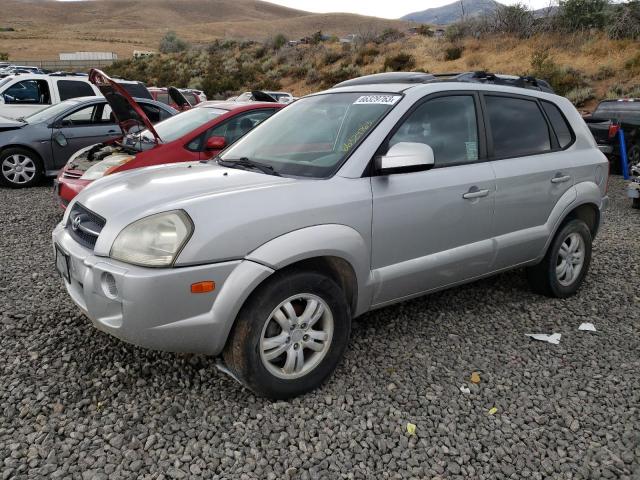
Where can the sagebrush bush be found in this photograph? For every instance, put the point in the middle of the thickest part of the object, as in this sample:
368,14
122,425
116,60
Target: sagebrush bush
332,57
366,55
171,43
578,96
632,65
331,77
453,52
562,79
399,62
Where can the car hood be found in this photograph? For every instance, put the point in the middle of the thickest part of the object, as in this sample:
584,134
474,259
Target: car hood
10,123
233,211
124,107
178,98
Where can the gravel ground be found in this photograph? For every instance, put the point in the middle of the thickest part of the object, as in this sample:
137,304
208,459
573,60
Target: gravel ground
76,403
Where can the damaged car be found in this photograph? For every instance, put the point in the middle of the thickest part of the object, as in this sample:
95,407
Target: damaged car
38,145
196,134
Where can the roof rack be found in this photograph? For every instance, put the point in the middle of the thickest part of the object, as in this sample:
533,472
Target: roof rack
67,74
469,77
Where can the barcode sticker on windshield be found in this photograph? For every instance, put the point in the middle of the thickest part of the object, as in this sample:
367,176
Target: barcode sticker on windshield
377,100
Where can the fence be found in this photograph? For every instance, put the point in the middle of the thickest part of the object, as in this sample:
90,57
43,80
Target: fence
65,65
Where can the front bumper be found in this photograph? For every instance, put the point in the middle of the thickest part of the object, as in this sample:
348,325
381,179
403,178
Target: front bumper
151,307
67,188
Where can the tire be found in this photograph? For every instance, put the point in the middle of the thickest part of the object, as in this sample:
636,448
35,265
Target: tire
273,368
20,168
548,277
636,203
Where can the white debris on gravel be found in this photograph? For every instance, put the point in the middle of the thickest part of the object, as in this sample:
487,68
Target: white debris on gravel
88,406
587,327
553,338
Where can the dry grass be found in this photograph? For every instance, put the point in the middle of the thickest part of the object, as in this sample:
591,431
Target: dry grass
47,27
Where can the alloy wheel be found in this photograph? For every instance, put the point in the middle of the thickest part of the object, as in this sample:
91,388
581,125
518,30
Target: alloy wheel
570,259
296,336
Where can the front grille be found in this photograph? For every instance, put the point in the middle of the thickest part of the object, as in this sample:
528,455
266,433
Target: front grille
72,174
84,225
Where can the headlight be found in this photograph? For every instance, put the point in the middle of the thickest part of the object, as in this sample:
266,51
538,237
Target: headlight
104,167
153,241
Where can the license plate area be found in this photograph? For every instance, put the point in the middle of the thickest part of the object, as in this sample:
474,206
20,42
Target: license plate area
62,263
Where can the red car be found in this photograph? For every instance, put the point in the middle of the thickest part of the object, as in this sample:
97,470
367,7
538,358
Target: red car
178,98
196,134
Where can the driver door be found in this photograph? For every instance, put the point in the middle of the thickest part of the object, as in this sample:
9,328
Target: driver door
81,128
433,228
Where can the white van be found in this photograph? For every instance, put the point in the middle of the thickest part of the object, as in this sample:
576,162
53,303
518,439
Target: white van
24,94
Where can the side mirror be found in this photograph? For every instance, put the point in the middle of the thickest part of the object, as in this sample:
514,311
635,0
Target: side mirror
215,143
60,139
406,157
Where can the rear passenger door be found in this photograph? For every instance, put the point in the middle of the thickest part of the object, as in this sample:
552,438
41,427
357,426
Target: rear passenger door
532,172
433,228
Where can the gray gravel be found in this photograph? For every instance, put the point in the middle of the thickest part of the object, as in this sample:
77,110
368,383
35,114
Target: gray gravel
76,403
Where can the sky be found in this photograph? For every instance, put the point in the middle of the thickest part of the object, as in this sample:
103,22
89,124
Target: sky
380,8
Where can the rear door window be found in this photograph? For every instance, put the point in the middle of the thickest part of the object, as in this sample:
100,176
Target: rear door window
239,125
73,89
559,124
518,127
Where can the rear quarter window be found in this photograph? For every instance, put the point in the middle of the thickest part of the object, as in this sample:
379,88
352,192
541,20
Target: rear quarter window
518,127
73,89
560,125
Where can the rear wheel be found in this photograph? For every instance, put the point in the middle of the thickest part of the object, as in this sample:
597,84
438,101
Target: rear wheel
566,263
20,168
290,335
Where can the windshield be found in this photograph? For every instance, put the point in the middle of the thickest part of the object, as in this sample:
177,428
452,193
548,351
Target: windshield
313,136
50,112
179,125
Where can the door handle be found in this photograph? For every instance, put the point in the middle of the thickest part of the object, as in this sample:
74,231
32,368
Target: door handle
560,179
475,193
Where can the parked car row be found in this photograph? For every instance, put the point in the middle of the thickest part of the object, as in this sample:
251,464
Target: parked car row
380,189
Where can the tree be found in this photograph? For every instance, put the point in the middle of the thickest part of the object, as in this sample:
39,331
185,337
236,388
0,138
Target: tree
171,43
582,14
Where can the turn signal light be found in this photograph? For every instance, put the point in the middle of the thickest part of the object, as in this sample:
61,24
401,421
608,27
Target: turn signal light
203,287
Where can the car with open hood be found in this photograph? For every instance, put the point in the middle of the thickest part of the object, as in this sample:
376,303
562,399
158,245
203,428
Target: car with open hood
39,144
179,98
345,201
196,134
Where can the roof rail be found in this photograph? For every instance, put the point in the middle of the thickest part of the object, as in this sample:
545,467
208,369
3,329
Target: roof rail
470,77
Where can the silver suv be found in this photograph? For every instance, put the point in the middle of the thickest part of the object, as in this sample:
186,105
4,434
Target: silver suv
345,201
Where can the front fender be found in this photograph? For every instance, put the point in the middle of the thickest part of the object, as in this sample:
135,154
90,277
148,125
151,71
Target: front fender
331,240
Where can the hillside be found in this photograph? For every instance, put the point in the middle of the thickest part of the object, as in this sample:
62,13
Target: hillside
572,63
453,12
46,27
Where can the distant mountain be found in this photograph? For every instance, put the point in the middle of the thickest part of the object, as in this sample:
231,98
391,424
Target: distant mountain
453,12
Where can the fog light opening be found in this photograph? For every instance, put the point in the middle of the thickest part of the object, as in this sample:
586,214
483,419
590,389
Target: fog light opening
109,285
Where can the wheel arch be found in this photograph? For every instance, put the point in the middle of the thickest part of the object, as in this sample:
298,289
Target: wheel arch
25,147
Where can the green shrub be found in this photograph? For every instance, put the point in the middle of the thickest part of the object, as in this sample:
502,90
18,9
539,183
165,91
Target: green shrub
578,96
582,14
633,64
389,35
399,62
562,79
615,91
344,72
279,41
171,43
332,57
4,56
604,72
453,52
366,56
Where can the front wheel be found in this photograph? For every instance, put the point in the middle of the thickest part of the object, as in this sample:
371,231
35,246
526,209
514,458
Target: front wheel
566,263
19,168
290,335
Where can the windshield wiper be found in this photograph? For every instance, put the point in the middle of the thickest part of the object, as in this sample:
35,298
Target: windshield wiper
248,164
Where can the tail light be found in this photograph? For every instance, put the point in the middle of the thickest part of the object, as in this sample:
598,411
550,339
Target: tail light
613,130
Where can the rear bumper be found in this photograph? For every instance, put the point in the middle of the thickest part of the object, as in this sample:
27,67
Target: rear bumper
154,307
